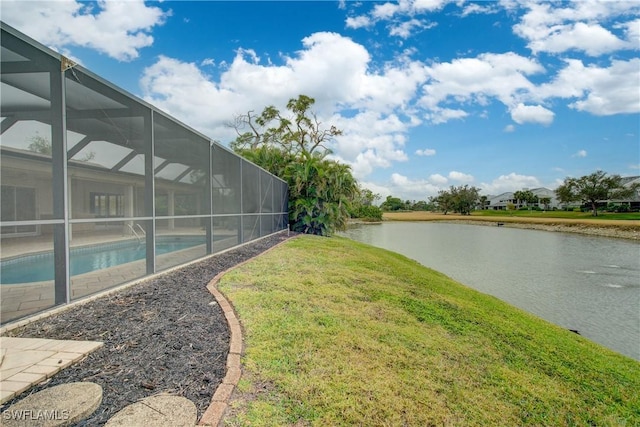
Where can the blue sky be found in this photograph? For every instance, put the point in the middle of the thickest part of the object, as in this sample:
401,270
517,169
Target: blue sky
502,95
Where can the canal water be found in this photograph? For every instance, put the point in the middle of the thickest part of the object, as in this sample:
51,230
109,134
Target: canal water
590,284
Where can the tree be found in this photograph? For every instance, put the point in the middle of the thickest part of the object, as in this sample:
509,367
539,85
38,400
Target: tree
299,134
363,207
421,205
462,199
465,198
545,202
484,201
320,192
367,197
392,204
590,189
525,196
40,144
293,148
444,201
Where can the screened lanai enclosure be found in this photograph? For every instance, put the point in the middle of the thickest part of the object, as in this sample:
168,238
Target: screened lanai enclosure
100,188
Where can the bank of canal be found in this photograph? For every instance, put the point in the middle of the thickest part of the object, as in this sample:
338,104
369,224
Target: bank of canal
589,284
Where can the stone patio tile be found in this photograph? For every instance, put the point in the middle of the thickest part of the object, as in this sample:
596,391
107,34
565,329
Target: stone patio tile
16,361
28,361
14,387
68,356
81,346
58,346
6,395
49,371
25,377
22,344
53,362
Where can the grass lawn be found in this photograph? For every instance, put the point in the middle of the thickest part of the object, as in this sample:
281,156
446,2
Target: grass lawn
627,220
341,333
561,214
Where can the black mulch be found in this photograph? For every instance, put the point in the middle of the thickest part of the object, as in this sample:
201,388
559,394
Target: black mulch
160,336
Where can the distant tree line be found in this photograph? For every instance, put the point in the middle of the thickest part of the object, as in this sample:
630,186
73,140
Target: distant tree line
395,204
589,190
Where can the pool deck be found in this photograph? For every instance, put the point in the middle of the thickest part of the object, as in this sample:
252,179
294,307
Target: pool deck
25,362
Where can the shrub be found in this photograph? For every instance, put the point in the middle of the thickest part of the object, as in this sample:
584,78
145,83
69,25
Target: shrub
367,213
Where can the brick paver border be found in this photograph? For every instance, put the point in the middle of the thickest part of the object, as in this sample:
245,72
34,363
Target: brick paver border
220,400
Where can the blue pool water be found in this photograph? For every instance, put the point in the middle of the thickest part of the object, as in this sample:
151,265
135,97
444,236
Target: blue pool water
36,268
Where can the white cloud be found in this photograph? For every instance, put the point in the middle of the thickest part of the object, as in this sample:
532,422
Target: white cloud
390,10
438,179
182,90
632,30
593,39
473,8
601,91
117,28
408,28
611,91
382,190
419,189
580,153
511,182
358,22
412,189
476,80
428,5
426,152
443,115
330,68
532,114
563,26
401,14
370,140
509,128
460,177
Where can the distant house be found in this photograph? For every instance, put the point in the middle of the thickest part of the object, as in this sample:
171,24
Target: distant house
502,201
632,202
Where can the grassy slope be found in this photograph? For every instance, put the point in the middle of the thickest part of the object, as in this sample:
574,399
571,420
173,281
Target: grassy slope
341,333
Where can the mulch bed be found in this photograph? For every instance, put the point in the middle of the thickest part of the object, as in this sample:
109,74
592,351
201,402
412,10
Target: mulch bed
164,335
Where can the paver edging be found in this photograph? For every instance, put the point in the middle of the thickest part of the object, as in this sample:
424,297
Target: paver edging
219,402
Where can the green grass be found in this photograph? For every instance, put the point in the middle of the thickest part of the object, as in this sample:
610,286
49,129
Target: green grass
341,333
560,214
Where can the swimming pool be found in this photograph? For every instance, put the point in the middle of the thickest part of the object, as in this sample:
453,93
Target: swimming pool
40,267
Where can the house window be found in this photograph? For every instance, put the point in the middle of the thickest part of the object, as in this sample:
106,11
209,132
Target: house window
106,205
18,204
